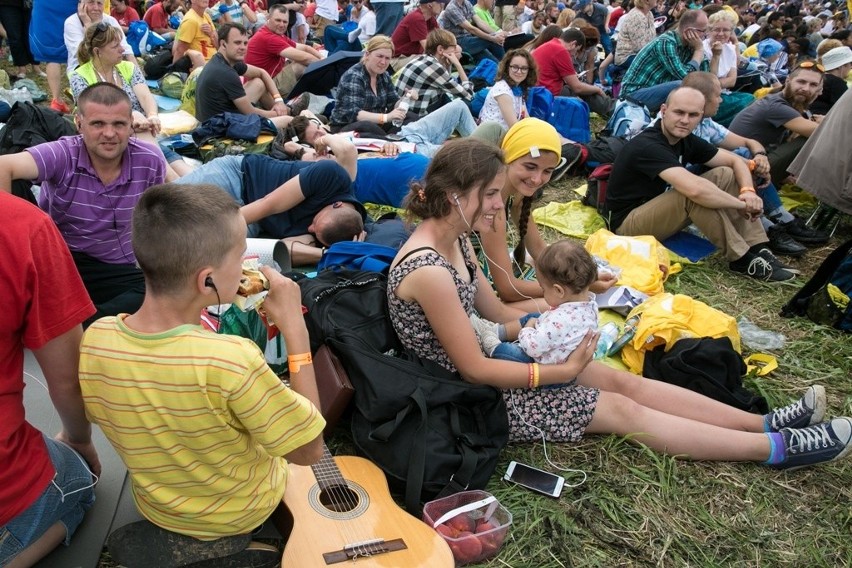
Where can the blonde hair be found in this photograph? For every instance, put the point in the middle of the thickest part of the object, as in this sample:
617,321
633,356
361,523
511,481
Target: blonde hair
566,16
378,42
96,37
723,15
825,46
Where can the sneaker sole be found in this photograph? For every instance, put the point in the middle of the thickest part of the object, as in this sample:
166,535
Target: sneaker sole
819,405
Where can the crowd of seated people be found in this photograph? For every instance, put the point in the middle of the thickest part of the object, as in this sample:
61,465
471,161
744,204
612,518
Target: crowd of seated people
738,90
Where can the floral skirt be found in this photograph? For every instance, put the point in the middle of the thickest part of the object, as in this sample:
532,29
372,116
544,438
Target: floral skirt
562,412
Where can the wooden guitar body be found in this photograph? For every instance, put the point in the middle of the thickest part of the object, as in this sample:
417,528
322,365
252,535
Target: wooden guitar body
343,511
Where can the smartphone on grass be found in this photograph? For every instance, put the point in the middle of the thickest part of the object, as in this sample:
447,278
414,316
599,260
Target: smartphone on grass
535,479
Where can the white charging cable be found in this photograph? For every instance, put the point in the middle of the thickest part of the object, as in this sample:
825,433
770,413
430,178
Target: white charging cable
95,478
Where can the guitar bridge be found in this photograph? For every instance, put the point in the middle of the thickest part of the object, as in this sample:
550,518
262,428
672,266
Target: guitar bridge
363,549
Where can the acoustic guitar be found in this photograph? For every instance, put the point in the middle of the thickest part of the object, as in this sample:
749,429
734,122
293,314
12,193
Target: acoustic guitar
343,511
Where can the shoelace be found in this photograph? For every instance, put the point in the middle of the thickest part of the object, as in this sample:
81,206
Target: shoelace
808,439
783,416
762,264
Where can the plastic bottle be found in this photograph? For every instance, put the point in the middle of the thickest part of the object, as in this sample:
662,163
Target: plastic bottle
626,335
404,104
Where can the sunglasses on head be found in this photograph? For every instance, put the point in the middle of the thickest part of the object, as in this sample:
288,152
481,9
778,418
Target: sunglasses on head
811,65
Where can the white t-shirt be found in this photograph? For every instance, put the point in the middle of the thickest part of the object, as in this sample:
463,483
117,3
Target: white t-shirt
728,59
327,9
491,110
367,25
300,22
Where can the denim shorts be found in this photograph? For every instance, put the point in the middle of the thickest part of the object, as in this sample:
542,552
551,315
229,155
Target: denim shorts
65,499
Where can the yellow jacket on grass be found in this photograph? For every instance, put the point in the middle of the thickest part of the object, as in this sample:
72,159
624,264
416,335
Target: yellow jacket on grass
668,318
639,258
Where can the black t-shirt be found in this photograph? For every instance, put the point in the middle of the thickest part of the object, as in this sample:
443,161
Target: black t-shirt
832,89
217,87
322,183
635,177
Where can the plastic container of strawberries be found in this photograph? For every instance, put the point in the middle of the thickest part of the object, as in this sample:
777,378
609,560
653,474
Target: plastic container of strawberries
473,523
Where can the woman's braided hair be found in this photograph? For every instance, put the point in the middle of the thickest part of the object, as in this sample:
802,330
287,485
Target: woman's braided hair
520,251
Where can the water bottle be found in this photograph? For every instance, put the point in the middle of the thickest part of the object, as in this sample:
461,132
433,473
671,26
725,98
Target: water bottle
404,104
626,335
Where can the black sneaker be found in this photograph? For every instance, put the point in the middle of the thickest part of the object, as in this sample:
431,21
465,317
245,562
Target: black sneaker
571,155
299,104
808,410
759,268
799,230
773,260
782,243
813,445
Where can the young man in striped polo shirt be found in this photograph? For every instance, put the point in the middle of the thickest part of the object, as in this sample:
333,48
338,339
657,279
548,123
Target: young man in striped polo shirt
203,425
89,185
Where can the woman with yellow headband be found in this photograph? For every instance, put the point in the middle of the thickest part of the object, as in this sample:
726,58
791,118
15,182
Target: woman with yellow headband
366,99
435,285
532,150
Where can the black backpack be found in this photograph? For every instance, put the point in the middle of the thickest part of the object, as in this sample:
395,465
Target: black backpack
818,299
28,126
431,432
341,301
708,366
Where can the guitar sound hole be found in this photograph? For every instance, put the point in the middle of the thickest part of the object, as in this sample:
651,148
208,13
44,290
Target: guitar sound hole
339,498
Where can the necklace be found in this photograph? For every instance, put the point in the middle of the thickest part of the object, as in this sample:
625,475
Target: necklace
103,77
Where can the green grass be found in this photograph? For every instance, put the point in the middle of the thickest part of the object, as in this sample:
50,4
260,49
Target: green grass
639,508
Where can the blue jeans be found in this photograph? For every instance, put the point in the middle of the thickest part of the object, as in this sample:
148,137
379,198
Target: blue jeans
65,499
653,97
433,129
510,351
606,42
335,39
479,48
769,194
227,173
388,16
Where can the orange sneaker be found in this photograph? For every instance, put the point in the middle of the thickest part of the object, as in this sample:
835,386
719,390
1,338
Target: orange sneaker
60,106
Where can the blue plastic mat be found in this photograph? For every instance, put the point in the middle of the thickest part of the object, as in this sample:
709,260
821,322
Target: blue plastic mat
690,246
167,104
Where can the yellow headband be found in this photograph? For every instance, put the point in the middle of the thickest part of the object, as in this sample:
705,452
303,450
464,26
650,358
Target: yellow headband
530,136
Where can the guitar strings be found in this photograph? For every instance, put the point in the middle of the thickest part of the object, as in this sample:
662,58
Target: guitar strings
339,492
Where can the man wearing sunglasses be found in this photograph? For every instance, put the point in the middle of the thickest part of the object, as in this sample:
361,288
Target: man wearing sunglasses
661,65
783,123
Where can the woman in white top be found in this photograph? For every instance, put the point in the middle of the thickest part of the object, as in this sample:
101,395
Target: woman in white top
505,103
89,12
721,50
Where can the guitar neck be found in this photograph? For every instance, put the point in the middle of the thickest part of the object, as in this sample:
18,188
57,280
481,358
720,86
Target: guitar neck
326,471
